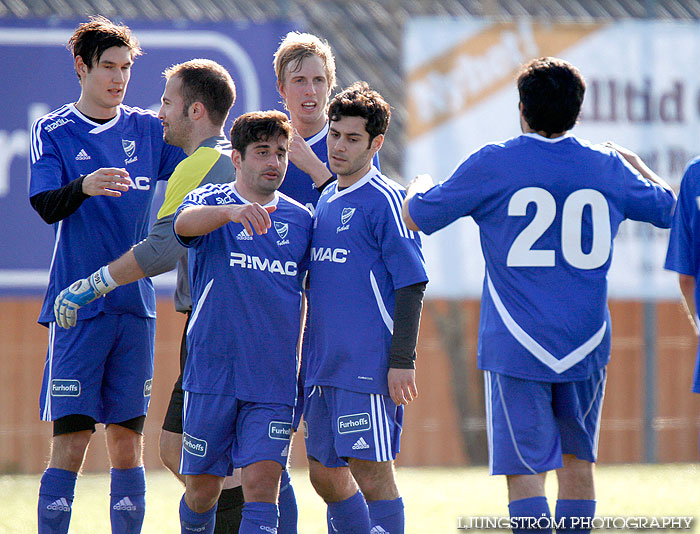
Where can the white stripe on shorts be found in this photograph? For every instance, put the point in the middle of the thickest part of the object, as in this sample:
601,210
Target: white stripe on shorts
46,416
489,417
510,426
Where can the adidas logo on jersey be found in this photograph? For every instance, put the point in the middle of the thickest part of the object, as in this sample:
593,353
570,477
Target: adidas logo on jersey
285,451
378,530
82,155
360,444
244,236
125,505
60,505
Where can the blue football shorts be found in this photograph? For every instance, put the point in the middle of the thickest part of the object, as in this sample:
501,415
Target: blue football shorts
531,424
341,424
102,367
221,432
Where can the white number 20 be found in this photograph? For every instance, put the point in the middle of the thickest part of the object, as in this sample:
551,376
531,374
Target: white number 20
521,253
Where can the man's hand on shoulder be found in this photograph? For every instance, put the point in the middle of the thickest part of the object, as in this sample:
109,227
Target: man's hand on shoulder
253,217
402,385
110,182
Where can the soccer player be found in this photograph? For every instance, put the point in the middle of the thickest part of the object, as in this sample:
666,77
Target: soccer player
246,282
366,274
548,206
94,167
683,248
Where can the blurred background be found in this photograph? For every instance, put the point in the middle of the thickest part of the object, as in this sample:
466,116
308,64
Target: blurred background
447,67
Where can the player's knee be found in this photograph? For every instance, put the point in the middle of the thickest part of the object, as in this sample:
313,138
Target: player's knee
376,479
332,484
68,450
261,481
202,492
124,445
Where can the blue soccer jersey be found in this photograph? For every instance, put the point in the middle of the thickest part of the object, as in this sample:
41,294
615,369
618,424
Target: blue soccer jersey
65,144
683,254
246,298
361,253
547,210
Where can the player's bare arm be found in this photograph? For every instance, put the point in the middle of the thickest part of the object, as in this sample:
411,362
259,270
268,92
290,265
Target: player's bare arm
200,220
305,159
637,162
109,181
687,285
402,385
420,184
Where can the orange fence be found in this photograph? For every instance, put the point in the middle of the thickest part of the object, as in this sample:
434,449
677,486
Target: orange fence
444,426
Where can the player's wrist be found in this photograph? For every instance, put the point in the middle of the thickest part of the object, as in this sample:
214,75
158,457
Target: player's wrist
102,282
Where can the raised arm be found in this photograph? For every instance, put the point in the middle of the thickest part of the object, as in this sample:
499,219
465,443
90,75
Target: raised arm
200,220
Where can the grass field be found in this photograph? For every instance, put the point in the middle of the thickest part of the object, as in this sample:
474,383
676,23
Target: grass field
434,498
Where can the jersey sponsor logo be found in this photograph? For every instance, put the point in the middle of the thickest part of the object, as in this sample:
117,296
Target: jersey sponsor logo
279,430
335,255
82,155
244,236
147,387
282,230
195,446
65,388
244,261
357,422
129,149
140,183
57,124
345,217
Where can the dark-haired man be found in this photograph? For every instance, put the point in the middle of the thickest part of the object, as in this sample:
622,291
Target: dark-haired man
241,369
94,168
367,271
548,206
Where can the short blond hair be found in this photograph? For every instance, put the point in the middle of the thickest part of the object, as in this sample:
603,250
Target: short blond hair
296,47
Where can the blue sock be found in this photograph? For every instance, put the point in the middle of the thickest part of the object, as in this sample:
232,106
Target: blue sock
530,510
192,522
128,500
350,516
289,514
387,515
568,508
259,517
56,494
331,530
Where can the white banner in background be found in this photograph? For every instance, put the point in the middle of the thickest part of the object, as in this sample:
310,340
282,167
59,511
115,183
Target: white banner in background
643,92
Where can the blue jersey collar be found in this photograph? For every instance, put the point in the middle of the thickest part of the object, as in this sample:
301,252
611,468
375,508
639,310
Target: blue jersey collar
362,181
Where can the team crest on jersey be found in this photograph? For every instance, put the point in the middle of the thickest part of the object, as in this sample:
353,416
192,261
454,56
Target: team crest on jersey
282,230
345,217
129,149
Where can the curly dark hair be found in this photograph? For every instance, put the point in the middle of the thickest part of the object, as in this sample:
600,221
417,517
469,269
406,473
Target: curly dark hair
360,100
551,92
259,126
